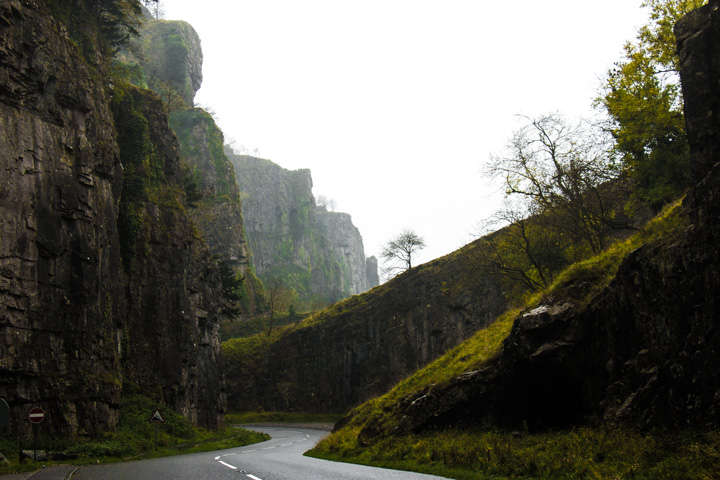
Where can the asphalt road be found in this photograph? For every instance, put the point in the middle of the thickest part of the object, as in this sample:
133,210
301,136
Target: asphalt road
278,459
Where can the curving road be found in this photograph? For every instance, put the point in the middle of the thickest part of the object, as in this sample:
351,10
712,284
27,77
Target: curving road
280,458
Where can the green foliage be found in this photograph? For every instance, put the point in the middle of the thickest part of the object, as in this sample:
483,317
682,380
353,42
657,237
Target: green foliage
580,283
247,327
643,99
235,296
284,417
593,453
166,51
131,73
142,164
200,137
118,20
583,279
136,437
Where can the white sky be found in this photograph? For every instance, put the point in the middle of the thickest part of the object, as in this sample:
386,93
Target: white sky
395,105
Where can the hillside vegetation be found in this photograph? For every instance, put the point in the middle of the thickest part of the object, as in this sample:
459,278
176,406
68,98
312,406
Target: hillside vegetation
611,371
370,434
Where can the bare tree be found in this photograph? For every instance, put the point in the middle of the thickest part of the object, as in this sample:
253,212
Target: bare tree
561,168
521,248
324,201
399,251
168,91
155,7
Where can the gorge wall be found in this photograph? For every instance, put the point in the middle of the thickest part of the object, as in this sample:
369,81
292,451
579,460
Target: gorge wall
103,278
645,351
319,253
359,348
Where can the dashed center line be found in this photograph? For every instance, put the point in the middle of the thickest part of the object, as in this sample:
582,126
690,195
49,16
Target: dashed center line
253,477
228,465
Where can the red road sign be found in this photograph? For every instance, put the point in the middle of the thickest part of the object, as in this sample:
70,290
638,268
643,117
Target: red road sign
36,415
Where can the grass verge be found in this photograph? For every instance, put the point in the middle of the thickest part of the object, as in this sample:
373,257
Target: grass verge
288,417
587,453
134,440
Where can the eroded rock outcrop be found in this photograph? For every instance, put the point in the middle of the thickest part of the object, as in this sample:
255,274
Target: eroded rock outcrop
170,56
173,59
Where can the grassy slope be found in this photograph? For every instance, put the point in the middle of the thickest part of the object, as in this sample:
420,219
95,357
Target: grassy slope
580,453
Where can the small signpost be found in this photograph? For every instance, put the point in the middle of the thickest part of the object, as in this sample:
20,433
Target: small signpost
157,419
36,416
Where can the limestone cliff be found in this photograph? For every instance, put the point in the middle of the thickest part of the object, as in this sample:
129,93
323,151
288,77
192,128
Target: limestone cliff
61,290
171,59
173,287
347,245
217,210
103,278
318,253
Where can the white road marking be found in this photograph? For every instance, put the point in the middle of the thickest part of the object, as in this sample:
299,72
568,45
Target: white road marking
228,465
253,477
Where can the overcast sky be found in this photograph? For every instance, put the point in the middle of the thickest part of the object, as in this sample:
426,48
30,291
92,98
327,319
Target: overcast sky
395,105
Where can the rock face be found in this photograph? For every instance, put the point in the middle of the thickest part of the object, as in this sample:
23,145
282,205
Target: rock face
171,61
646,350
102,279
173,290
347,245
361,347
172,58
60,299
218,209
319,252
